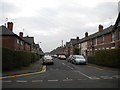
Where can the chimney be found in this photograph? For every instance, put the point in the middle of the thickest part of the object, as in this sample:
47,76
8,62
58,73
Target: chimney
86,34
77,38
10,26
21,34
100,28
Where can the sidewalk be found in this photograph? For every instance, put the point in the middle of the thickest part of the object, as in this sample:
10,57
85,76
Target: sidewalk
35,67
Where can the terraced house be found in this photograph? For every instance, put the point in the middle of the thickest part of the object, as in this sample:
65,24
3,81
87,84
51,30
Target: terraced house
108,38
13,41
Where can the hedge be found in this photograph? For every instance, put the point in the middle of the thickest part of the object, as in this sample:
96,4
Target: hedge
110,58
15,59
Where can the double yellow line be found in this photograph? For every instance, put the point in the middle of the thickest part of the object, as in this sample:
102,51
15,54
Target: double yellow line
42,71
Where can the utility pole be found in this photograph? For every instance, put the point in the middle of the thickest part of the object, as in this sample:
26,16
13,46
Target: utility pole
62,43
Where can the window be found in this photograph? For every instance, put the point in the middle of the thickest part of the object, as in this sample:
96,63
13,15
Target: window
119,35
21,43
103,39
96,41
17,41
113,37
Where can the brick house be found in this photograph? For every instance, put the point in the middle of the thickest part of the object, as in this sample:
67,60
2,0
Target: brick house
11,40
108,38
69,47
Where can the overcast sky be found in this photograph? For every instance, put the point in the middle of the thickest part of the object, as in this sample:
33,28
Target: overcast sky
51,21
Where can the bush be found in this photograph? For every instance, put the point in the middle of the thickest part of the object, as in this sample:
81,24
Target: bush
110,58
15,59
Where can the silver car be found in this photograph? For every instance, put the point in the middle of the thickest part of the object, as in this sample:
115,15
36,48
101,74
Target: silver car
47,59
78,59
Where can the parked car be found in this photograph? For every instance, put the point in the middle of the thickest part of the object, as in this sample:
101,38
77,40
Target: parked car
69,58
63,57
48,60
55,56
78,59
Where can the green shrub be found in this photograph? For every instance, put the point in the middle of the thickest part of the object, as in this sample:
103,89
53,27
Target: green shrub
15,59
110,58
7,59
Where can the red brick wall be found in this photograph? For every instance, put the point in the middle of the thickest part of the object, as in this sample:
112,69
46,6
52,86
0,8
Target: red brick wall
11,43
8,42
108,38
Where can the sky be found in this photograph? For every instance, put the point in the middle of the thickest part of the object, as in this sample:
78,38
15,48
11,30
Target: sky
51,21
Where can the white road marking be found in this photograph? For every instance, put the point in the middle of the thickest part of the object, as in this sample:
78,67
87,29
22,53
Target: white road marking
20,81
7,81
83,74
67,79
94,77
37,80
53,80
116,76
70,67
63,63
106,77
81,79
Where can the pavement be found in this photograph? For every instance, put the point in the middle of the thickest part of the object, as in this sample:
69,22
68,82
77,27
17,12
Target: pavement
35,67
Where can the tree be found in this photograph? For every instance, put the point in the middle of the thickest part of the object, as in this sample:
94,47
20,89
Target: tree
76,51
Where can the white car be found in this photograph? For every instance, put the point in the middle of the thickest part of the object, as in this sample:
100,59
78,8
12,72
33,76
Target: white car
47,60
78,59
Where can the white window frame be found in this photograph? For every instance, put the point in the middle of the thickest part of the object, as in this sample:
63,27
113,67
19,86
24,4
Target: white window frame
113,37
103,39
96,41
18,41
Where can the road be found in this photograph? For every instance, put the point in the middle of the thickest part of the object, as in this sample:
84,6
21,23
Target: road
65,75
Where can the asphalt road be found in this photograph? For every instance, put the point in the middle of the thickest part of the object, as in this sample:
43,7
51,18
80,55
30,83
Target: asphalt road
65,75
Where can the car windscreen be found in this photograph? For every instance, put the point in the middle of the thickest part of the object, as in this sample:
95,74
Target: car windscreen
79,57
48,57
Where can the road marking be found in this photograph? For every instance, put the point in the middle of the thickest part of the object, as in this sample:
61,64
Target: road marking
116,76
63,63
83,74
106,77
81,79
94,77
53,80
68,80
43,70
37,80
20,81
7,81
95,67
70,67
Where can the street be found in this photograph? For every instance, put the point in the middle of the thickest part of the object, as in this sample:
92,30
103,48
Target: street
65,75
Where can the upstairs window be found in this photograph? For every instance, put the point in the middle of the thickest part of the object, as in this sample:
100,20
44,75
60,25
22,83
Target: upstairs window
96,41
17,41
113,37
119,35
103,39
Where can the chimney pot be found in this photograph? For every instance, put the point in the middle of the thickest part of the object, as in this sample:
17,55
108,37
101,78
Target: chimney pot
21,34
77,38
86,34
10,26
100,28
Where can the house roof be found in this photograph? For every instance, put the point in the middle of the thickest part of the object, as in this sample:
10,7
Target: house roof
29,39
68,44
97,34
6,31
